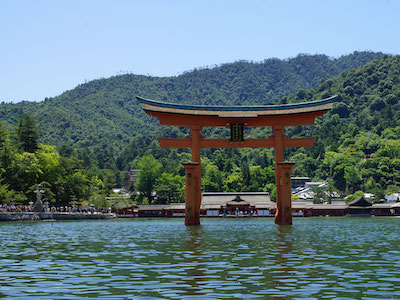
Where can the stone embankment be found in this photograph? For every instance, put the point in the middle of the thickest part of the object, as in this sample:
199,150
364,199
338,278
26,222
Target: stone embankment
36,216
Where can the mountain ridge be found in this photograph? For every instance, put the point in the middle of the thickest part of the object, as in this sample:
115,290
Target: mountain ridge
105,109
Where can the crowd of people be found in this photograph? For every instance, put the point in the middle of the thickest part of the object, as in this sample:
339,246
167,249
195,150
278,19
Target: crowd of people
15,208
68,209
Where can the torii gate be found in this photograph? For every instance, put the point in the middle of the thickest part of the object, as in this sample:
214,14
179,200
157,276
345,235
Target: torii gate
237,117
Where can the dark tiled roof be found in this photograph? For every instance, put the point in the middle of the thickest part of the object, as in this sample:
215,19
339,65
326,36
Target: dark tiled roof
236,108
360,202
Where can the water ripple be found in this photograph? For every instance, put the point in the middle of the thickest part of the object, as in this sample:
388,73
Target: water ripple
316,258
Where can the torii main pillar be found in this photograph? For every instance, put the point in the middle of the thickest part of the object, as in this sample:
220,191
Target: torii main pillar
237,117
278,151
193,180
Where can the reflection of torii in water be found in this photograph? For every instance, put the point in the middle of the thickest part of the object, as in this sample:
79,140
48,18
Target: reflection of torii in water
284,247
195,258
237,117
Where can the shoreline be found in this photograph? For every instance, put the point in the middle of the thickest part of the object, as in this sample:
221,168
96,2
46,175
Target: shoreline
48,216
65,216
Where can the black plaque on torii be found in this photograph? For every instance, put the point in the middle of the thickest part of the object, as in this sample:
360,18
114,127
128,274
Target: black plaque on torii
237,132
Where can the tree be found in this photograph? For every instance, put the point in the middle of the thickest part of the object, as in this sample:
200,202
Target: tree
65,150
304,165
6,195
49,161
6,154
169,188
392,189
271,189
97,196
330,190
76,187
319,195
26,172
212,180
245,170
390,148
3,135
330,160
351,176
354,196
27,133
259,177
338,177
233,183
148,174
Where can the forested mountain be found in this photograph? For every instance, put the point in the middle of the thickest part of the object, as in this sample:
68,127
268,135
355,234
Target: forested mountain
104,112
357,143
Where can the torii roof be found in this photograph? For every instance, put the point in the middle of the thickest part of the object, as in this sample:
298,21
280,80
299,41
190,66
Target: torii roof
242,111
222,115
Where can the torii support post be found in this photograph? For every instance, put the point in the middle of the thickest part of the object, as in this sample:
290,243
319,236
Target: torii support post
278,150
283,215
192,200
193,180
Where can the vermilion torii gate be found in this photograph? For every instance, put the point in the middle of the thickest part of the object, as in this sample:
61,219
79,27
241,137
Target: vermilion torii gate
237,117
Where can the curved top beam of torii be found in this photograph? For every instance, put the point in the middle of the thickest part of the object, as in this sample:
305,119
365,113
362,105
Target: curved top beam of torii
258,115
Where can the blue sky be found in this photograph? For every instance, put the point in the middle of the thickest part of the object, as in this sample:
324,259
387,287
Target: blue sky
48,47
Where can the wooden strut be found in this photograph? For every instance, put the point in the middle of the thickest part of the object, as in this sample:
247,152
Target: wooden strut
226,143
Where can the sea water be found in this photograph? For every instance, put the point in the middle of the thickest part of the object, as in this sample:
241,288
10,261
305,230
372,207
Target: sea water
243,258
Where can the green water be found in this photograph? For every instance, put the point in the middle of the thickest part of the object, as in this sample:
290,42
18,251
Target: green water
316,258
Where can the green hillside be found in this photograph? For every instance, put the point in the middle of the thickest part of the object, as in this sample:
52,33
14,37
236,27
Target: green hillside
103,113
357,143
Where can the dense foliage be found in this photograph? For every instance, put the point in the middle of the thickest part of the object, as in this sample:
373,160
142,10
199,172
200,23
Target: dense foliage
358,142
101,128
24,163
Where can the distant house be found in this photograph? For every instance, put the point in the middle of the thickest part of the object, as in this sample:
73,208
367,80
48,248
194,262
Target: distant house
299,181
396,209
392,198
306,207
307,191
360,207
383,209
176,210
152,210
314,184
370,197
125,211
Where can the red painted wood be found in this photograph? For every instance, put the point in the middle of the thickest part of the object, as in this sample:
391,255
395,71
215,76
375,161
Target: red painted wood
215,121
226,143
